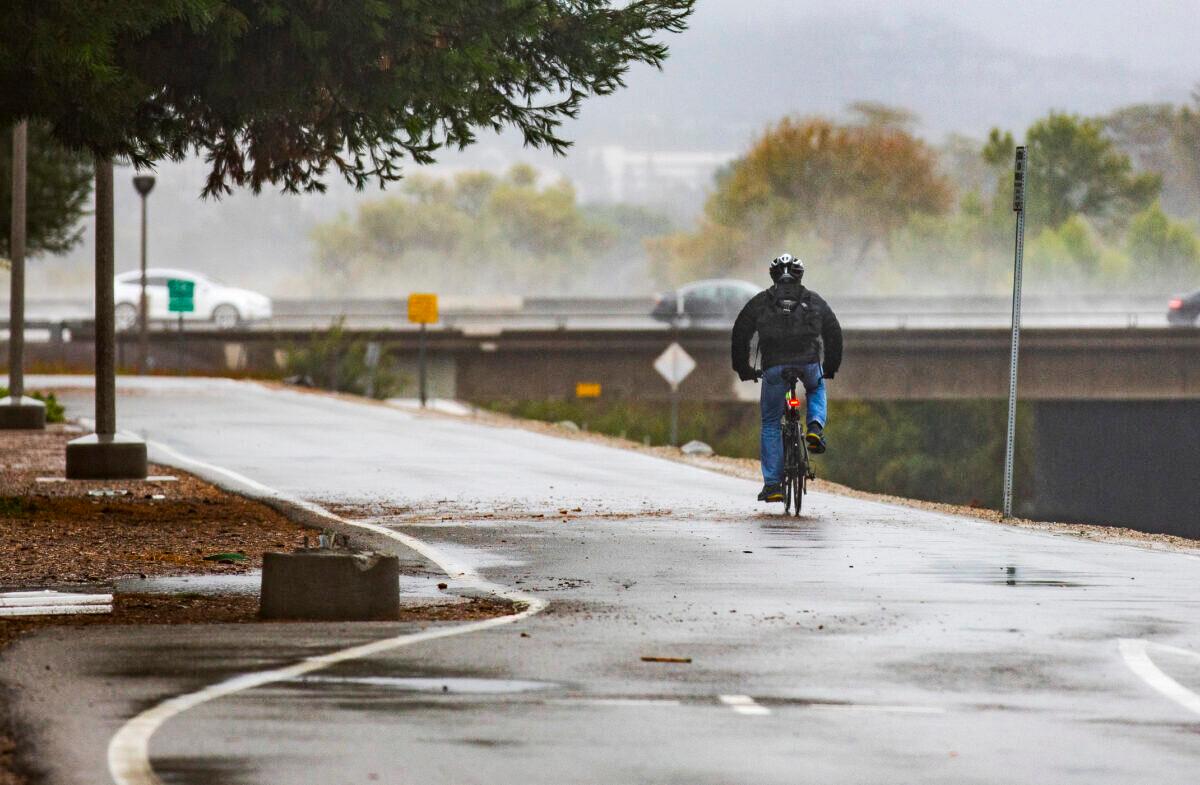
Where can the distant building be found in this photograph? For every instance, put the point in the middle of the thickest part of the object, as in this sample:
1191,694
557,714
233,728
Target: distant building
654,177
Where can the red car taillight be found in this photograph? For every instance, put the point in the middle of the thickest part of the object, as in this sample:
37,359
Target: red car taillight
1175,304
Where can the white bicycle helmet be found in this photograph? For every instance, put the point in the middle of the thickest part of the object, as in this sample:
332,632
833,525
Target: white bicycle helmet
786,263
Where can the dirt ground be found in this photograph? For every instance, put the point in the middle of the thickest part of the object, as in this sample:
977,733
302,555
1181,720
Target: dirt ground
60,533
93,531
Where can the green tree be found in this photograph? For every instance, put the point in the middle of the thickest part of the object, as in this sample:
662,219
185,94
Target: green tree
1071,251
999,149
960,159
479,233
811,182
287,92
1144,132
1185,140
1161,249
1074,168
58,185
1163,139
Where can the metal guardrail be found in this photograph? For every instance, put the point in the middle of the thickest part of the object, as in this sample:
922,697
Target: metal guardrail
58,331
629,314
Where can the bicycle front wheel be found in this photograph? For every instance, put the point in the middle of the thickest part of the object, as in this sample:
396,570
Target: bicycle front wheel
789,462
796,491
802,469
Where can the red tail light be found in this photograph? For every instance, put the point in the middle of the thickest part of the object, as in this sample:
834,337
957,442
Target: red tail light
794,403
1175,304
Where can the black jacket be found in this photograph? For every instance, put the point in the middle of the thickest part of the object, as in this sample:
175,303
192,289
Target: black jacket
800,347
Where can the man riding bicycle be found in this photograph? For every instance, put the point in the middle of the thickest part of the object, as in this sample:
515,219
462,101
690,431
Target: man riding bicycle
793,324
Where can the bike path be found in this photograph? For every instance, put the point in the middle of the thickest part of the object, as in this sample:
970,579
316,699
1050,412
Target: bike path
861,643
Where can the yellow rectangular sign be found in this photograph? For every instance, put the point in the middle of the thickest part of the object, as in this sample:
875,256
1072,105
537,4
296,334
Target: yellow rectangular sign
587,389
422,308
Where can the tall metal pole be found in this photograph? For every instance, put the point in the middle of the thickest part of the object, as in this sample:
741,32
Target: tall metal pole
143,334
144,184
16,243
674,415
106,372
674,435
421,364
1018,260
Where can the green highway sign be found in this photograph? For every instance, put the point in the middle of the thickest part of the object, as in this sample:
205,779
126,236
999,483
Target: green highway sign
180,295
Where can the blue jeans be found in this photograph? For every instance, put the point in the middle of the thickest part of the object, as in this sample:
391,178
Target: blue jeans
774,391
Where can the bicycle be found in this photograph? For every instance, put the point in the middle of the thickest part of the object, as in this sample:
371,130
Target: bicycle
797,468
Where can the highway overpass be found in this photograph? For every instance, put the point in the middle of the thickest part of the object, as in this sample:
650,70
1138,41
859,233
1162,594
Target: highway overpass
1117,411
1056,364
476,314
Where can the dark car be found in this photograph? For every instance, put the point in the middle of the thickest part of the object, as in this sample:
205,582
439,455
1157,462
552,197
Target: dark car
1183,311
710,302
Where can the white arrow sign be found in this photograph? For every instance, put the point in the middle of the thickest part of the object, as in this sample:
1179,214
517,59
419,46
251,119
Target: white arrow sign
674,365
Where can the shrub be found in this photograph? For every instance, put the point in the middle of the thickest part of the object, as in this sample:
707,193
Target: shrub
54,410
336,361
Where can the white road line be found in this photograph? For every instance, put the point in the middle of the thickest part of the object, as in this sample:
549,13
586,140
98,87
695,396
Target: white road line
129,749
744,704
1137,657
447,565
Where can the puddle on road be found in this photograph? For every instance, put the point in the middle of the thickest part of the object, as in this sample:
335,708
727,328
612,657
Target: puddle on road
1011,575
442,686
809,531
247,583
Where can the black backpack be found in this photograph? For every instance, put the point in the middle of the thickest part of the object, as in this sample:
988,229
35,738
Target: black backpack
789,318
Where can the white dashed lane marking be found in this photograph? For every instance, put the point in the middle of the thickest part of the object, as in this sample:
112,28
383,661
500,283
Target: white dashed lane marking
744,704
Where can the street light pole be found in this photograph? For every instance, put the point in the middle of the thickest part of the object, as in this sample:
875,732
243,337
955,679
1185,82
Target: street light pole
144,183
17,411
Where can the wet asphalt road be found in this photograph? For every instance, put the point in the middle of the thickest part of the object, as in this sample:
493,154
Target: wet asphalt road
863,643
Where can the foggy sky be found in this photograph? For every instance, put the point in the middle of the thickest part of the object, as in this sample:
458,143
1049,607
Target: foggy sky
1145,35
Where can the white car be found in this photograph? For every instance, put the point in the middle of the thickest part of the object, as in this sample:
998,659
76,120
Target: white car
225,306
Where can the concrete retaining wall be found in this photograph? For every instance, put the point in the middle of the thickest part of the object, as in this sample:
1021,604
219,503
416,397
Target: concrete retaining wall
1125,463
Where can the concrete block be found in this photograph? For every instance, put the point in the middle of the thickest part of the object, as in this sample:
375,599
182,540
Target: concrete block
330,585
22,414
96,457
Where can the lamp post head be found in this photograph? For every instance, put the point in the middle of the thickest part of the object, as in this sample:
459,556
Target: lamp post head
144,183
